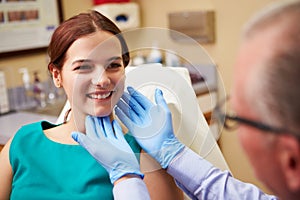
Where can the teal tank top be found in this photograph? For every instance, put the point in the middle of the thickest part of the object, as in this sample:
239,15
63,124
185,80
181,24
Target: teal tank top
44,169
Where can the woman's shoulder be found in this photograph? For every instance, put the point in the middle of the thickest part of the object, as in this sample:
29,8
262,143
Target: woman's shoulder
28,132
34,127
5,171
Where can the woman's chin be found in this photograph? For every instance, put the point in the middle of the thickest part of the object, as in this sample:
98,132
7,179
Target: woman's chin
102,113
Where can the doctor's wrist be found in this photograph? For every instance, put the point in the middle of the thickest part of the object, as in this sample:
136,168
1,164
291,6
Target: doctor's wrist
168,152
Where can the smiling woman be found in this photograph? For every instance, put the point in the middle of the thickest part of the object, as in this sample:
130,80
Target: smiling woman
88,77
88,56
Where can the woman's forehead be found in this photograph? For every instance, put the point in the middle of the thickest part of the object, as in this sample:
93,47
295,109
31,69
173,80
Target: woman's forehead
97,47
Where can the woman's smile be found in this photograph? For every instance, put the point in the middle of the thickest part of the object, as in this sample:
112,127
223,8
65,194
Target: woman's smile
101,95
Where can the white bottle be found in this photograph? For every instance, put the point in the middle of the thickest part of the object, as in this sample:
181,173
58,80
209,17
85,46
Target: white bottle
25,77
4,103
25,101
172,59
155,55
138,59
38,91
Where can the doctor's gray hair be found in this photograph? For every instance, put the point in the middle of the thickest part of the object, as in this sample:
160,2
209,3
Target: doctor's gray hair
278,96
270,15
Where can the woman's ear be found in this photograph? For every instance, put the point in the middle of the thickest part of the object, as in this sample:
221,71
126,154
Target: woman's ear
290,161
56,75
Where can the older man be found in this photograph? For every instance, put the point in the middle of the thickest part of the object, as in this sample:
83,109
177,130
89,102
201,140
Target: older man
266,93
266,104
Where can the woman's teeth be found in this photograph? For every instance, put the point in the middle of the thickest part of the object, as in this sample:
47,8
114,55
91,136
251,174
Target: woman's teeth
100,96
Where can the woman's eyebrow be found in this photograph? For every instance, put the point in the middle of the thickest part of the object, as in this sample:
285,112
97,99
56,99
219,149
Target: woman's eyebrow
82,61
114,58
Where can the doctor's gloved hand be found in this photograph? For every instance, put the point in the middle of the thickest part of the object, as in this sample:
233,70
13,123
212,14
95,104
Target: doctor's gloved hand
106,143
150,124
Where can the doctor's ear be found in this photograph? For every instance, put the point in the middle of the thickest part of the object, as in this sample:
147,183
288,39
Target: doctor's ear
290,161
56,75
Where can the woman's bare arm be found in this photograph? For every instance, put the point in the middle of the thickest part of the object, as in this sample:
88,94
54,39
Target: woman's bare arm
160,184
5,172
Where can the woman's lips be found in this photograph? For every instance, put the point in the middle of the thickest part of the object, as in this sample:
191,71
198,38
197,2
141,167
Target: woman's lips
99,95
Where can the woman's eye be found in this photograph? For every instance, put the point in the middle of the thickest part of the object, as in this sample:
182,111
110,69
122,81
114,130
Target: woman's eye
114,65
83,67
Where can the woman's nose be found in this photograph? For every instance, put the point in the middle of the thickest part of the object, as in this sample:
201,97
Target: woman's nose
101,79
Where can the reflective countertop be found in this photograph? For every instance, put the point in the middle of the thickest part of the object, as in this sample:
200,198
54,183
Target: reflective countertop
12,121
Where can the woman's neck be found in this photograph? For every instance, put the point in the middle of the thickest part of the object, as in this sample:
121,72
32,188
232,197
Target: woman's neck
76,123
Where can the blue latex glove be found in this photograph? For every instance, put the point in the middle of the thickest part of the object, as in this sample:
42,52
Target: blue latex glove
150,124
106,143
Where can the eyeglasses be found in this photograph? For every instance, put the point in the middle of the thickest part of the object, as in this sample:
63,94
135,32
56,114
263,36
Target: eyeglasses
232,121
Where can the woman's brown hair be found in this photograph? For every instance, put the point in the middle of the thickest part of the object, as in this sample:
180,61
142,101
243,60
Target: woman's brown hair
78,26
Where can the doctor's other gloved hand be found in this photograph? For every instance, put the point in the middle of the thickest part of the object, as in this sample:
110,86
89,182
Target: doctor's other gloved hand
150,124
105,141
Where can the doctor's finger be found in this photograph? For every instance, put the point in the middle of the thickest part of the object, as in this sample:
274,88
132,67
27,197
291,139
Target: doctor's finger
160,100
82,139
108,127
90,128
129,112
125,119
140,98
98,126
118,130
133,104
